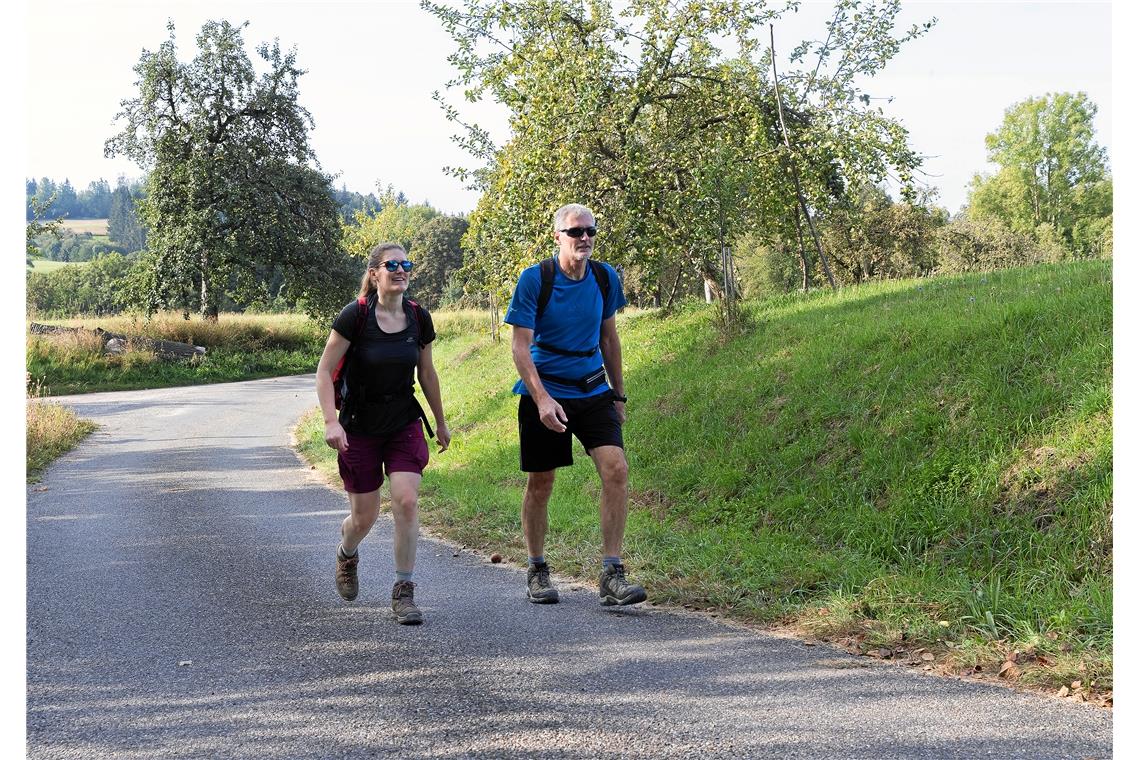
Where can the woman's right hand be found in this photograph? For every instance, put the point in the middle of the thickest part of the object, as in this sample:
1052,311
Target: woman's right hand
335,436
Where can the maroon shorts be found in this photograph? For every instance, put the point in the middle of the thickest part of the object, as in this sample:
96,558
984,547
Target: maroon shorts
362,466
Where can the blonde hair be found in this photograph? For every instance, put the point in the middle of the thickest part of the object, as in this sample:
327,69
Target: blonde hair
375,258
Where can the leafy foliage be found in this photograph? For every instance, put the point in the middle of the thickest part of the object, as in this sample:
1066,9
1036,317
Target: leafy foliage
438,256
1051,172
979,245
675,146
123,223
231,197
97,288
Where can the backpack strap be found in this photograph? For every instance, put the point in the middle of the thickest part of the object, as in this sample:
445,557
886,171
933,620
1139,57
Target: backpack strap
546,286
361,315
602,277
418,313
546,277
546,270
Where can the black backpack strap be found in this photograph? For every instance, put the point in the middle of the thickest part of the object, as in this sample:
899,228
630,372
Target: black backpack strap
602,277
418,313
546,272
546,287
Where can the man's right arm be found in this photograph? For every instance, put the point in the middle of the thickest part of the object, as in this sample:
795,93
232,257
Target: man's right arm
549,410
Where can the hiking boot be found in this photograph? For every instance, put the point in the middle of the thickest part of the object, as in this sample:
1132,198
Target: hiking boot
613,588
539,589
407,613
346,584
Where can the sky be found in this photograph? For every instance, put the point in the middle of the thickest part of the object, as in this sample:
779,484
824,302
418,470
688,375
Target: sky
372,68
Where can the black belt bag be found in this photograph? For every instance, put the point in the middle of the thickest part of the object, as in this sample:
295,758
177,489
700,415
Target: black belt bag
586,383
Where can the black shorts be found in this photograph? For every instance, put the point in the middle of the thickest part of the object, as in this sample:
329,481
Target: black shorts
594,420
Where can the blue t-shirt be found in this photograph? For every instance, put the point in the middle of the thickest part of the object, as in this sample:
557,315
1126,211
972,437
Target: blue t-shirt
571,321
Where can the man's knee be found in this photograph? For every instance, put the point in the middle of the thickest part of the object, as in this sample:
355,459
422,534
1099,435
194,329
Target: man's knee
540,484
614,470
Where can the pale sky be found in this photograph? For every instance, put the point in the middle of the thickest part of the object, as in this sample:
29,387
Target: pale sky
372,67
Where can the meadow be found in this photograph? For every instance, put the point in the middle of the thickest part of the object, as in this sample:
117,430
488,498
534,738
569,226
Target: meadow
906,468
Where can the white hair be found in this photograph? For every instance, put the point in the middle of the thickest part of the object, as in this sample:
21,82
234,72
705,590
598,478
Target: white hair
570,208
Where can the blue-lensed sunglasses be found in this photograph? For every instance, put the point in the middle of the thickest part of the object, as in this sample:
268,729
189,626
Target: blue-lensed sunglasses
392,265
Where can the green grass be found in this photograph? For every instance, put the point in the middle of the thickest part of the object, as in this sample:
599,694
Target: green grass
238,347
912,461
51,430
47,265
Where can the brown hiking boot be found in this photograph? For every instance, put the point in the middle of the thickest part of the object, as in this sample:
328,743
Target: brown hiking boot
407,613
346,584
539,588
613,588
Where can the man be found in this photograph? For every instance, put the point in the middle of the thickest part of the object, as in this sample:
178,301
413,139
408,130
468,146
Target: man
564,334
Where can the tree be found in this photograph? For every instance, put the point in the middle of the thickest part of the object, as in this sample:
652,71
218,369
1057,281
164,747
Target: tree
123,224
674,145
438,255
37,226
231,197
397,221
1050,171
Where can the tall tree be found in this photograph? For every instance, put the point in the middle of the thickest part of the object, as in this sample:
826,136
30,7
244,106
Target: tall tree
1050,169
637,113
233,194
123,223
437,253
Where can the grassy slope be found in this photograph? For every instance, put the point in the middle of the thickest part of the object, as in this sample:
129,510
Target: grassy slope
917,461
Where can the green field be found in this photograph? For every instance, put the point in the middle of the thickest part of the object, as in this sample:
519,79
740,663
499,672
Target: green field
922,466
78,226
45,265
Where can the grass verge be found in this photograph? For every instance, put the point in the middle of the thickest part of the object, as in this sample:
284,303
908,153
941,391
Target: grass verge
51,430
238,347
916,470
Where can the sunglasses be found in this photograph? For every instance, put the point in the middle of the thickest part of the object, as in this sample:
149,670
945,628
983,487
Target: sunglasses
392,265
577,232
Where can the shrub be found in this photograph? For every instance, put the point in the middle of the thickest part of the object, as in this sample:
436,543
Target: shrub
978,245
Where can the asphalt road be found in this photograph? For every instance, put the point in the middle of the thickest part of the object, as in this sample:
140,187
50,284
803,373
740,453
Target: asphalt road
181,603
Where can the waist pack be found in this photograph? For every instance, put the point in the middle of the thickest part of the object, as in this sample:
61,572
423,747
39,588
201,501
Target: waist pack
384,415
586,383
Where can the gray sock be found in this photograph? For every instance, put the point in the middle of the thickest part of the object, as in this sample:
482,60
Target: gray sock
607,561
402,576
345,554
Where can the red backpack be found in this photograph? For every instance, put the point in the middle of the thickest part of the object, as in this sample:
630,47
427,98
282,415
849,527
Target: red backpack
363,306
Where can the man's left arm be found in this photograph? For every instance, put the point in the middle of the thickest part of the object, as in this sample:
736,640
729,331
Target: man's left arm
610,344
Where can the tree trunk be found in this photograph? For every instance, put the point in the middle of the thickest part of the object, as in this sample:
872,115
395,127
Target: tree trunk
209,301
803,252
792,164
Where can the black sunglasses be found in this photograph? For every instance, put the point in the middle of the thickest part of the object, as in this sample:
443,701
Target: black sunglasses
577,232
392,265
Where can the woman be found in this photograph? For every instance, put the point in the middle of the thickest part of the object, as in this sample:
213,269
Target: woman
383,338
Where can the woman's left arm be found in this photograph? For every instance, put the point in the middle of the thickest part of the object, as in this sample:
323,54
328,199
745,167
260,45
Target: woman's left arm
429,381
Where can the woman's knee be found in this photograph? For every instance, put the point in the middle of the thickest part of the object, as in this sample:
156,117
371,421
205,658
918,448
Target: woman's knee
405,505
362,520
